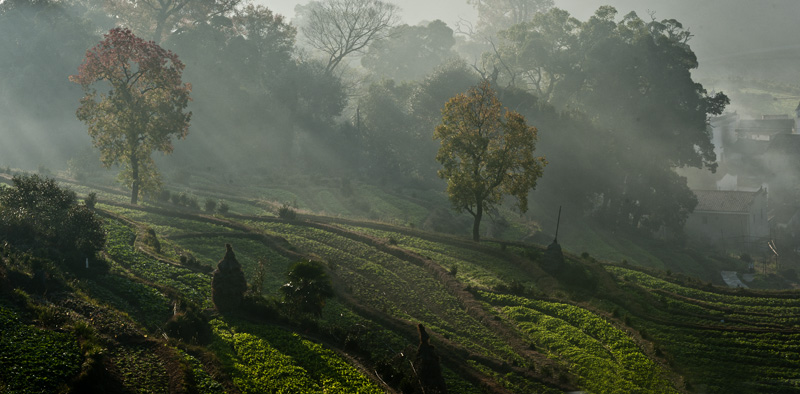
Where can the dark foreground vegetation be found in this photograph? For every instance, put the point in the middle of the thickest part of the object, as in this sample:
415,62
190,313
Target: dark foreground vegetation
498,317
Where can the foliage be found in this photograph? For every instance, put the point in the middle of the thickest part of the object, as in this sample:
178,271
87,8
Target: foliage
633,79
36,212
210,205
485,154
91,200
497,15
410,53
143,110
286,212
160,18
308,287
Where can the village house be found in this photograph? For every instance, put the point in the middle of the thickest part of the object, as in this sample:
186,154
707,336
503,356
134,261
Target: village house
730,217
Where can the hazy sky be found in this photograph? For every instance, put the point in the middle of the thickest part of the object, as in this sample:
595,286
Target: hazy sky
722,28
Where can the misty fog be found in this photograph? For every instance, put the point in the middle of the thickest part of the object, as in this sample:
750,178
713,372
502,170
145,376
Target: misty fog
616,116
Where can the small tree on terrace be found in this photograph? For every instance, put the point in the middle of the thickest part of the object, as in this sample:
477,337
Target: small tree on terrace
485,153
141,112
308,288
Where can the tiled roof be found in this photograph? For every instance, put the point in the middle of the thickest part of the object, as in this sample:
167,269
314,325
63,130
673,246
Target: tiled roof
724,200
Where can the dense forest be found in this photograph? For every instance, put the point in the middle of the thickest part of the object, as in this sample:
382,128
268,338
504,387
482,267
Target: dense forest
205,197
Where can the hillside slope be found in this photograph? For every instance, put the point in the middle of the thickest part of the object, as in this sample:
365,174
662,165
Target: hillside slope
502,320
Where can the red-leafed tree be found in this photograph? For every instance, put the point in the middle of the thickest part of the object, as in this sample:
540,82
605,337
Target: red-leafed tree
141,112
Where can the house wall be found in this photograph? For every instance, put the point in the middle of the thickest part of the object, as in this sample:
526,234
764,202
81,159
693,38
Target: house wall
731,227
717,226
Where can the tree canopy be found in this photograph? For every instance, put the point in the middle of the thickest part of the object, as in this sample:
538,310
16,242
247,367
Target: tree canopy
486,153
37,213
308,287
141,112
633,79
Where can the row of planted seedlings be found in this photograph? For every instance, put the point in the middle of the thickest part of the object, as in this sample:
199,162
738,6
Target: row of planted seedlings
257,356
784,311
603,357
715,353
396,287
566,337
473,267
481,269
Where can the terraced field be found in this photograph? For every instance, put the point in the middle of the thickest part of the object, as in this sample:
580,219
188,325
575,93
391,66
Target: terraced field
499,321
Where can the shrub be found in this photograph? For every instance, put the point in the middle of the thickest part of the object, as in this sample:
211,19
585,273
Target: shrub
189,325
150,239
210,205
308,287
91,200
164,195
223,207
192,203
285,212
36,213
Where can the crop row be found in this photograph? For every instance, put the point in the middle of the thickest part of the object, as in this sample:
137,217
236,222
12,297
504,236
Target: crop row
249,252
144,303
652,282
602,356
119,245
769,310
169,225
474,267
267,359
203,382
730,360
395,286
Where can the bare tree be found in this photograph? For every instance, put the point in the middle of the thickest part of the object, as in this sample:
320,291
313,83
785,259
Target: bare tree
339,28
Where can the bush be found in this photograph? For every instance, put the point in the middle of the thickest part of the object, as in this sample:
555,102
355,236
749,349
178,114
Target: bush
308,287
285,212
189,325
192,203
150,239
164,195
210,205
36,213
91,200
223,207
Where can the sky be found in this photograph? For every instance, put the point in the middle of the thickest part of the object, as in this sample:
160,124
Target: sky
723,29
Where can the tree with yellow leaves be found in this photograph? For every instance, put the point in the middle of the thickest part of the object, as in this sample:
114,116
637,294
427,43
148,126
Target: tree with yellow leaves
486,152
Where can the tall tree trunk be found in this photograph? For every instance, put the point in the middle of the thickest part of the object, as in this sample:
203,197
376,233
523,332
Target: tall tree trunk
476,225
135,176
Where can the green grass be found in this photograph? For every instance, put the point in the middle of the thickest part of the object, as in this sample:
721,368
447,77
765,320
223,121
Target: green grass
395,287
267,359
209,250
603,357
34,360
